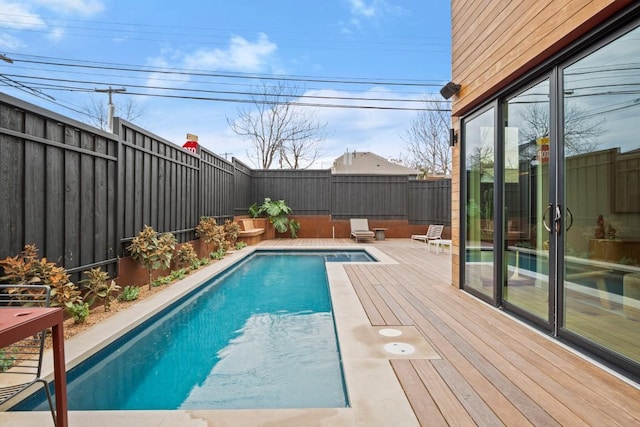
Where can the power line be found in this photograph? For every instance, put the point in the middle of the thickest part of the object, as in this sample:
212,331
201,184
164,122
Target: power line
89,82
232,75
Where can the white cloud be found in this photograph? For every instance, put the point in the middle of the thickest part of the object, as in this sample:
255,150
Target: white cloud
361,8
369,11
241,55
375,130
374,8
9,42
17,16
56,34
82,7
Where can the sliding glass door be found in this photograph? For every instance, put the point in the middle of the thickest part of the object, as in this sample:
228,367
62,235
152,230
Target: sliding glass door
525,189
601,189
551,208
479,135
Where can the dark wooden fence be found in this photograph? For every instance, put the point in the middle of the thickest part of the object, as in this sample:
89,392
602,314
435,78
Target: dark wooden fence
81,194
59,188
167,187
307,192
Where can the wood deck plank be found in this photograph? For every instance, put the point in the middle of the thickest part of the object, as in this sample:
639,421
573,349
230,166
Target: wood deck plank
388,317
477,409
507,343
493,369
425,408
451,408
399,313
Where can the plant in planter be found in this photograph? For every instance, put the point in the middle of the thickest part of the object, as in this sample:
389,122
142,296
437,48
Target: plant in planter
254,210
99,286
28,269
231,232
152,251
294,227
277,211
210,233
185,256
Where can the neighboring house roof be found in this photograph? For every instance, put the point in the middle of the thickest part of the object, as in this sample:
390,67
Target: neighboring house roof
369,163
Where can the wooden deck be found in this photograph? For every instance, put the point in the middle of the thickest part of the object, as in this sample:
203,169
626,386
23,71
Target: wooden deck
493,369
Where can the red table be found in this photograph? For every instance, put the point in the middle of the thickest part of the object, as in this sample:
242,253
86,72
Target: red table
19,323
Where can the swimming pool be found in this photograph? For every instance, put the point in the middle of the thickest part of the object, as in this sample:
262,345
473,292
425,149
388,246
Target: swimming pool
261,335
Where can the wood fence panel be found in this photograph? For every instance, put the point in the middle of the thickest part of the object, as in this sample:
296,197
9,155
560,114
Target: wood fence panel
81,194
60,197
369,196
307,192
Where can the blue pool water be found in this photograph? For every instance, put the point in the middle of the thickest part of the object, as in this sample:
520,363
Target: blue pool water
259,336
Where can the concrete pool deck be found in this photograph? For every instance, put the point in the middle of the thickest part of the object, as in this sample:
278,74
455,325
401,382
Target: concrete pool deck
376,396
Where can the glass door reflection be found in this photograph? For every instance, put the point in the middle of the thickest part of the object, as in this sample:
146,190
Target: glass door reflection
526,198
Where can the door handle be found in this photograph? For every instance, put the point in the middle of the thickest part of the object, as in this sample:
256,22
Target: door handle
544,217
570,219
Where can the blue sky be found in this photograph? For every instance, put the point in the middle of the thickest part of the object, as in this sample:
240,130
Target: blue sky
342,48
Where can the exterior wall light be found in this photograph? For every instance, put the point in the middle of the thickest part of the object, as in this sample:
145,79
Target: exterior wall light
449,90
453,137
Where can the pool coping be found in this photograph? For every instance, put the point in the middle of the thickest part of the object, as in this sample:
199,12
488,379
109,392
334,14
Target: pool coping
375,394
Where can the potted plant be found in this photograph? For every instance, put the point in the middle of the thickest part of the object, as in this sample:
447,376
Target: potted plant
231,232
210,233
277,213
151,251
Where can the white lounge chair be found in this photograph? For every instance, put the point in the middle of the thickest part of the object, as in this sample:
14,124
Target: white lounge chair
360,229
434,232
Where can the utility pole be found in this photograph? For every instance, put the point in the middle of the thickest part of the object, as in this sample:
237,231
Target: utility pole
6,59
111,107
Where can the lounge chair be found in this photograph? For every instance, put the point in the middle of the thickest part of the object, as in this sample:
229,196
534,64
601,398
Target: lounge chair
26,355
434,232
360,229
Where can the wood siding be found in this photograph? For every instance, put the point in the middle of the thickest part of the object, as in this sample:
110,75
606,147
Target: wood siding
495,42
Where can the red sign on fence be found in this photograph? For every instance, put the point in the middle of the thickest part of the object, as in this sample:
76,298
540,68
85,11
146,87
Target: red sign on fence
542,153
191,146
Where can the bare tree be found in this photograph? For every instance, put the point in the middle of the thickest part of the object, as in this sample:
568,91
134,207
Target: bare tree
427,140
580,129
97,113
281,132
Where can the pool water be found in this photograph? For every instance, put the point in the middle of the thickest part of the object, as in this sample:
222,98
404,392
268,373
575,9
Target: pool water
259,336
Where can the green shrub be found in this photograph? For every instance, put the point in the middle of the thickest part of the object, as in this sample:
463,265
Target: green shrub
240,245
99,286
219,254
178,274
6,360
79,311
129,293
161,281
